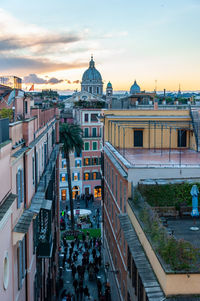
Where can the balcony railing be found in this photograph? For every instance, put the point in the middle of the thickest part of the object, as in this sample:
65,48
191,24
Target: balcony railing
45,242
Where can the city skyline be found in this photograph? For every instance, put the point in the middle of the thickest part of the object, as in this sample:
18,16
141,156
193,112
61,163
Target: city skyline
50,45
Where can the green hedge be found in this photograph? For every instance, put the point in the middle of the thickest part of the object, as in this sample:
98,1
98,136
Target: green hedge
167,195
93,233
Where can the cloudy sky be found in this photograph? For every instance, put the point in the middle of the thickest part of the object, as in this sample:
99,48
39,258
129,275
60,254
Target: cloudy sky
49,43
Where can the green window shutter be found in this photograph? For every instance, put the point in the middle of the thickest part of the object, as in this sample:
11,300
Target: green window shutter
94,144
73,177
23,258
78,176
86,146
18,182
22,184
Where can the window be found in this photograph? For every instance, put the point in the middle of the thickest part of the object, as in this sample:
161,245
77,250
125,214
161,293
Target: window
138,138
94,145
86,132
112,181
182,138
76,176
6,271
86,161
64,165
86,146
26,107
97,90
116,186
63,177
112,212
21,262
33,170
94,132
116,222
77,154
90,89
77,163
86,176
20,187
63,194
94,175
124,199
97,192
94,117
86,117
95,161
120,193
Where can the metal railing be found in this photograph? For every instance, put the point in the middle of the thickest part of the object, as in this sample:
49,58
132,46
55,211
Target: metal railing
195,127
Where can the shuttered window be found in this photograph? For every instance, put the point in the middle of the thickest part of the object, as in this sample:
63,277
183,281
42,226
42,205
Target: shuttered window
20,187
19,265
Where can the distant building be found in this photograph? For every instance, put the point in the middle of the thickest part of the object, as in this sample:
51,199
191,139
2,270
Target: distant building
92,80
135,88
13,82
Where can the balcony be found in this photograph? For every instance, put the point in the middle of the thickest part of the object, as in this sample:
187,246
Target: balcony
44,235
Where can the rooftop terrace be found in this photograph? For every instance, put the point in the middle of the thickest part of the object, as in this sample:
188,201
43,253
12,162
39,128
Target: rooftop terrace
160,158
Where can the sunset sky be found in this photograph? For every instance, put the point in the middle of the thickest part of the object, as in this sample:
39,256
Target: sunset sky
49,43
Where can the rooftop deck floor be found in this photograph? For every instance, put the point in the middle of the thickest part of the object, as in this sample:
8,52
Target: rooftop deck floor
165,158
181,228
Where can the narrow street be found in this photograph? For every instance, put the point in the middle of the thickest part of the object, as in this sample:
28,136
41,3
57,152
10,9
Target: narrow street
85,263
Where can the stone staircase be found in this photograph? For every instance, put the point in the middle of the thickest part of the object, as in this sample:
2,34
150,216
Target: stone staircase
194,113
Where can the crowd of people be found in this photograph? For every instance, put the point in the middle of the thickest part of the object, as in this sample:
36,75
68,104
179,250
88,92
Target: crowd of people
83,258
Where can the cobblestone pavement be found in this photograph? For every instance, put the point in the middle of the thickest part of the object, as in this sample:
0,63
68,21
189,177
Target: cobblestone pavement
67,272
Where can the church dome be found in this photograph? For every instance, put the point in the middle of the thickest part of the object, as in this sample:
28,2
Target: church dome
109,85
135,88
91,74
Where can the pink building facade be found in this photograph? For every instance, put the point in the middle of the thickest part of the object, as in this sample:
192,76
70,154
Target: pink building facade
91,154
29,205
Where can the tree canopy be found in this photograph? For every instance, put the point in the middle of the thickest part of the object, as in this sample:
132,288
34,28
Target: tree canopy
71,137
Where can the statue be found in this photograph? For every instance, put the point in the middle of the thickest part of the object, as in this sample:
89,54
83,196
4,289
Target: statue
195,212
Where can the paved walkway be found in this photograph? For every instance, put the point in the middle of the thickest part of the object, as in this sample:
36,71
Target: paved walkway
67,270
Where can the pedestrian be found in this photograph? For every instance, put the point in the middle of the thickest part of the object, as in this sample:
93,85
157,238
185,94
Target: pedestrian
99,287
75,284
83,237
73,271
86,291
77,293
94,253
87,237
81,293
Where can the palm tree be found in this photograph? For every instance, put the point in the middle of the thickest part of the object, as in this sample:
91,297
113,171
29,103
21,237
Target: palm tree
71,137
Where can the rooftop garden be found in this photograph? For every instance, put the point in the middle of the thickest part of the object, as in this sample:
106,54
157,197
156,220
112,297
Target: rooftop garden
168,194
174,255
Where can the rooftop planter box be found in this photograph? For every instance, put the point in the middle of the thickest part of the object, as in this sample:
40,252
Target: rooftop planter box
175,262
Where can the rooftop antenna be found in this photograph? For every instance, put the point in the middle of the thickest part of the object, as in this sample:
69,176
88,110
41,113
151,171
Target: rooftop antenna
179,88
